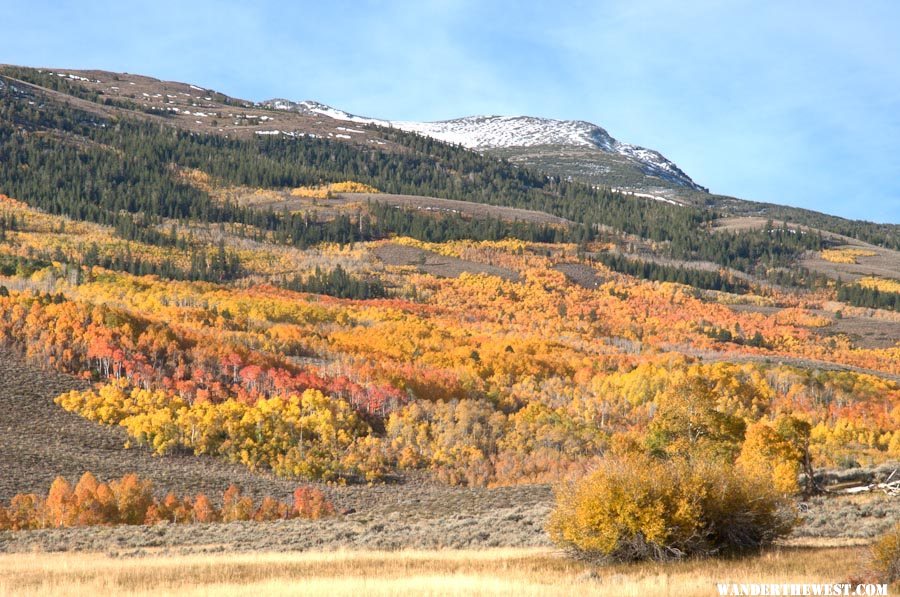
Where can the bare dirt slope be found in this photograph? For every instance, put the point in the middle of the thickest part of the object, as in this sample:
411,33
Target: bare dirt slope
39,440
581,274
436,264
468,208
885,263
340,202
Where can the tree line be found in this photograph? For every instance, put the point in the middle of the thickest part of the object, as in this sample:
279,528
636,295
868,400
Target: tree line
337,282
864,296
649,270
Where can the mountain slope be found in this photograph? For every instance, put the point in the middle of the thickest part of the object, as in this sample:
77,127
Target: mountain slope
545,142
575,152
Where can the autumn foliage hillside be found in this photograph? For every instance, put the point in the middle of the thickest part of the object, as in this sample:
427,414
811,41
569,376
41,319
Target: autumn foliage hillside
478,379
355,342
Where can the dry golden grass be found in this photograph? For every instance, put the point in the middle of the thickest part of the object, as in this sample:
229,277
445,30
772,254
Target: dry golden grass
485,572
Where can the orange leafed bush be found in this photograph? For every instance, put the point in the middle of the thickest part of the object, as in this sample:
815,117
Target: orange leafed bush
271,509
311,503
204,511
130,500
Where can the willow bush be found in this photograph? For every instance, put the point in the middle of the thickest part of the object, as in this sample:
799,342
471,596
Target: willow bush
637,507
886,555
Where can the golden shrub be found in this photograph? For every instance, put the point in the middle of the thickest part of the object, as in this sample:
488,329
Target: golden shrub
636,507
886,555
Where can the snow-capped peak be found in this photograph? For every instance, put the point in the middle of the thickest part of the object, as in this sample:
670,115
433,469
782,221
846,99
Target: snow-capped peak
494,132
497,132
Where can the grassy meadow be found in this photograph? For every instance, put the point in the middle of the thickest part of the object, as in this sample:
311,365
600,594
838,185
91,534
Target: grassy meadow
505,571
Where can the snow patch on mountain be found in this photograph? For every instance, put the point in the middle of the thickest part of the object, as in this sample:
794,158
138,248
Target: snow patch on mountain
495,132
649,196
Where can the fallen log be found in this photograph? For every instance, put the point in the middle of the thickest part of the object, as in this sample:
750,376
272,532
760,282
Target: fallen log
889,487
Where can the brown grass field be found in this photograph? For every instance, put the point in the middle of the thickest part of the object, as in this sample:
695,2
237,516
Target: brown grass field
458,572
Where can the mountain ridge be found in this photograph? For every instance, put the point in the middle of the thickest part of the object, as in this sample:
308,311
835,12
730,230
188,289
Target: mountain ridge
495,132
203,110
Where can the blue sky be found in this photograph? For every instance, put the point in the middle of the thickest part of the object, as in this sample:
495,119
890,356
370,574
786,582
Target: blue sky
789,102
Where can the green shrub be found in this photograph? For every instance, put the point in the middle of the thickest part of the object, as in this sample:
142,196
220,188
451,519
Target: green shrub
637,507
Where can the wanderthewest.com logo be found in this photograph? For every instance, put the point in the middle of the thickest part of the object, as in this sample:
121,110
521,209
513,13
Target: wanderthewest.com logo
752,589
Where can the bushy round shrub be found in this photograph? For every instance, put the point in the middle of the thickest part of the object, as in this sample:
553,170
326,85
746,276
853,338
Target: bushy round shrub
636,507
886,556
